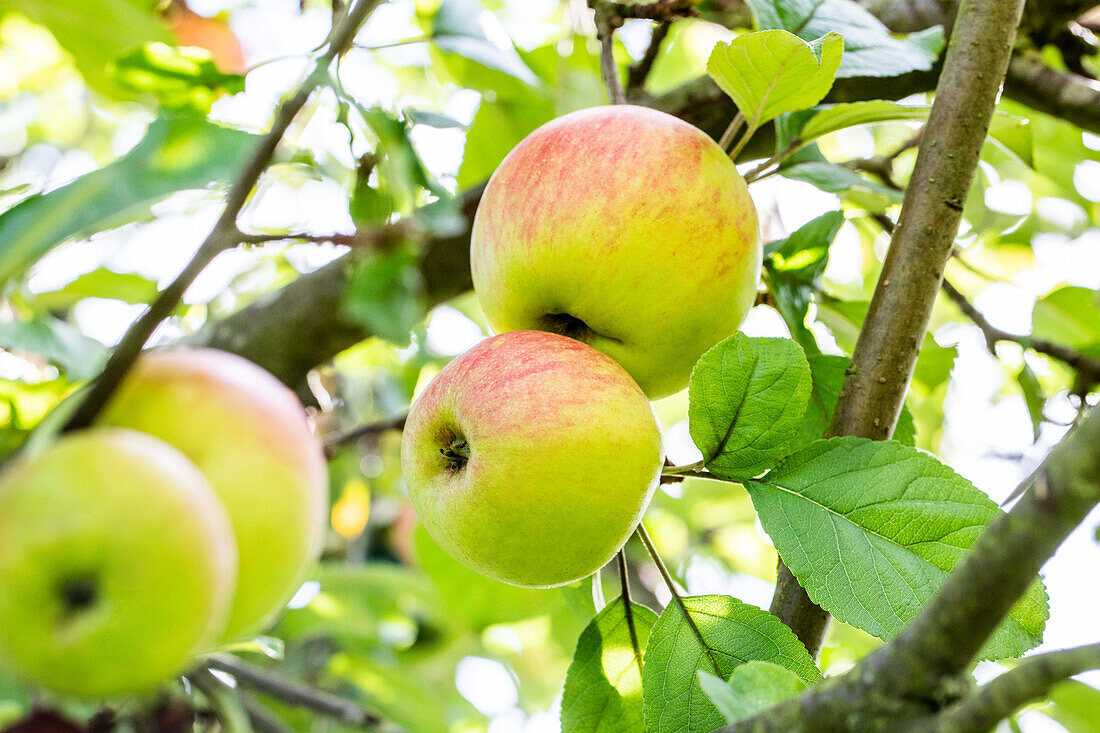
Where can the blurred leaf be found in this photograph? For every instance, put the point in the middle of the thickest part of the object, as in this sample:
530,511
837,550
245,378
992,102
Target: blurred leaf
1075,706
870,49
177,153
497,128
828,379
128,287
835,178
457,28
1069,316
772,72
603,689
896,513
431,119
179,78
472,598
752,688
747,397
714,634
401,173
96,32
1033,398
386,294
59,342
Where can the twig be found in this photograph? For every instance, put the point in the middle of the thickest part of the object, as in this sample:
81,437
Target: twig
885,354
293,693
690,469
224,234
1030,680
348,436
639,72
606,24
663,10
1086,366
380,237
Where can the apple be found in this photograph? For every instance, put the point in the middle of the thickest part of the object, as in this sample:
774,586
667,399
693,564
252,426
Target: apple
531,457
249,436
117,564
625,228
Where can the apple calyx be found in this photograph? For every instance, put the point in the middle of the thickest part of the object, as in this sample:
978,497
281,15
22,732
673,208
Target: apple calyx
568,325
79,594
456,453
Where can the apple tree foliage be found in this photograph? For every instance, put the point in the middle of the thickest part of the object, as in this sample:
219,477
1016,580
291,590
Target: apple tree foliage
121,131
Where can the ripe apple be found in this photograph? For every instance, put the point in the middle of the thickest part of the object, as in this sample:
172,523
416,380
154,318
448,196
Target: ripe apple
249,435
531,457
117,564
625,228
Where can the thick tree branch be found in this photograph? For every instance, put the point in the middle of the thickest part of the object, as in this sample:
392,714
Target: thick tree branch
1060,93
1031,680
1084,365
224,234
885,354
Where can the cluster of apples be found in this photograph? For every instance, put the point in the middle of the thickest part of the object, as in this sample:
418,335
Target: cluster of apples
611,248
183,520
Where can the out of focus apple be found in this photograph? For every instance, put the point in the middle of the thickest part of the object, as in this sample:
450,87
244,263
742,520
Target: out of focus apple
117,564
249,436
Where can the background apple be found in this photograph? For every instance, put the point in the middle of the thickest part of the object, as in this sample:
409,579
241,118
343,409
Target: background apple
625,228
249,435
531,457
117,564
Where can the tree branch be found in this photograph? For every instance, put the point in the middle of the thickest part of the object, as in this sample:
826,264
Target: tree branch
885,354
607,21
292,693
1030,680
1063,94
224,234
348,436
639,72
1086,366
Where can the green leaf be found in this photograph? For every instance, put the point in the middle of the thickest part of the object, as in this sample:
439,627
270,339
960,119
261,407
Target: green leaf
402,175
603,688
871,530
177,153
60,343
828,379
1070,316
179,78
772,72
745,402
870,49
840,116
751,689
793,265
496,129
714,634
96,32
1033,398
386,294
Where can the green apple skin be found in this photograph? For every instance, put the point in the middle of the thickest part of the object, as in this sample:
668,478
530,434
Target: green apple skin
249,436
624,227
117,564
564,454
